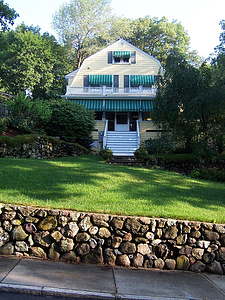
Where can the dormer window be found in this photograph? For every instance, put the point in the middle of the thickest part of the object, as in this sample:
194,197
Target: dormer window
120,57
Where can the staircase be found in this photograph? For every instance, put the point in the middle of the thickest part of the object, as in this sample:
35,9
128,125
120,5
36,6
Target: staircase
122,143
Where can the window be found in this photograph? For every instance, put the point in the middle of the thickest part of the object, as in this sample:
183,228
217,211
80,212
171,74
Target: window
122,57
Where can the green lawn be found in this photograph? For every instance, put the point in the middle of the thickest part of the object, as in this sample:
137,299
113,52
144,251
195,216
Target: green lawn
88,184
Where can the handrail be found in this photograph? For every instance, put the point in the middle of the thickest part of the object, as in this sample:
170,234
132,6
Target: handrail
105,134
138,134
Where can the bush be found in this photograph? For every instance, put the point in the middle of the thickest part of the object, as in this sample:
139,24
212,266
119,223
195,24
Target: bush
3,125
106,153
71,122
141,154
161,145
213,174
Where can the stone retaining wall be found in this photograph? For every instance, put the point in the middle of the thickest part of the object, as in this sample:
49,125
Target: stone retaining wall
42,148
115,240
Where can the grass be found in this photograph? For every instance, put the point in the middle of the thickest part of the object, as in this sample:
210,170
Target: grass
88,184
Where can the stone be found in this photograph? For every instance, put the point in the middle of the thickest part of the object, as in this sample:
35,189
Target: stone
16,222
127,248
208,258
158,233
83,249
161,251
127,237
74,216
85,224
148,263
116,241
7,226
38,252
183,263
170,264
153,225
159,263
47,224
181,239
197,253
71,257
52,253
203,244
215,267
211,236
100,220
143,249
123,260
110,257
82,237
42,238
104,233
53,212
191,241
72,229
9,215
156,242
30,228
137,261
221,253
140,239
4,238
66,245
93,230
212,248
21,246
117,223
145,220
186,229
7,249
30,219
171,222
62,221
56,235
41,213
94,257
132,225
93,243
18,234
30,240
171,233
150,236
161,223
198,267
220,228
25,211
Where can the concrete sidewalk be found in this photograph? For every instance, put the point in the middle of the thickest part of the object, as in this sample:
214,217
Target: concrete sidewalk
105,282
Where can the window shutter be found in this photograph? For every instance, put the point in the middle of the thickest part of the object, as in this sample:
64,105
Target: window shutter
126,81
86,80
110,57
116,81
133,57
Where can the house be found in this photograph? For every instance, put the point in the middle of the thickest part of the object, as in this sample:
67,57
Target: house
118,83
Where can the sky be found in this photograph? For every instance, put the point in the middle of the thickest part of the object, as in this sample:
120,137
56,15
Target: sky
200,18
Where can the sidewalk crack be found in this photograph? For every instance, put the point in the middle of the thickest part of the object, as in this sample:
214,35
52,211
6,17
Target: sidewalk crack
19,260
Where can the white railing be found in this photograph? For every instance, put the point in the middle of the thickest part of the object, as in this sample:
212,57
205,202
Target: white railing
105,134
138,134
103,91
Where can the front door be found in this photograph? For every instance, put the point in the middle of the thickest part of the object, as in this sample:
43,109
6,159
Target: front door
122,121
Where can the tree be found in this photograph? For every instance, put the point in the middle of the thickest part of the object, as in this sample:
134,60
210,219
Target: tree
80,24
34,61
7,16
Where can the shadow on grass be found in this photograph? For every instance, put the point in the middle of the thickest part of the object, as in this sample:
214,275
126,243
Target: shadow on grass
86,183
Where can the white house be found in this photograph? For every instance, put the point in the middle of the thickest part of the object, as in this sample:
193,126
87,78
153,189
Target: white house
118,83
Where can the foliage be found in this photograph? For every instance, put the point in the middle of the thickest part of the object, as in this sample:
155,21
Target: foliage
71,122
160,145
213,174
34,61
18,140
7,16
106,153
141,153
81,24
3,125
27,115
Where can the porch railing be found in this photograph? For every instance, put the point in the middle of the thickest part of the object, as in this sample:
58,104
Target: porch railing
103,91
138,134
105,134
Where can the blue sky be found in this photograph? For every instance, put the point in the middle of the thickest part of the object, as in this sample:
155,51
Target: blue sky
200,18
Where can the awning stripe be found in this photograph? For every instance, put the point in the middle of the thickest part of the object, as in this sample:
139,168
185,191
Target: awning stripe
96,105
142,79
121,53
147,105
122,105
100,79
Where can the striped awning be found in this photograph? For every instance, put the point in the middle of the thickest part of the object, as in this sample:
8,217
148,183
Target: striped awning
121,53
146,105
142,79
122,105
100,79
96,105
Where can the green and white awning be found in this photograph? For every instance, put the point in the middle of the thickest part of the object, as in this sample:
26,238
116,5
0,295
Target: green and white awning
121,53
146,105
100,79
122,105
142,79
96,105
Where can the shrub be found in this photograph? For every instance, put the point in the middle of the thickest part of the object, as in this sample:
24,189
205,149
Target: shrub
141,154
3,125
161,145
71,122
106,153
213,174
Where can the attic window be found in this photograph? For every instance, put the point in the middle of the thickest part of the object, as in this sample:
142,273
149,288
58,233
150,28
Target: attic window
121,57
